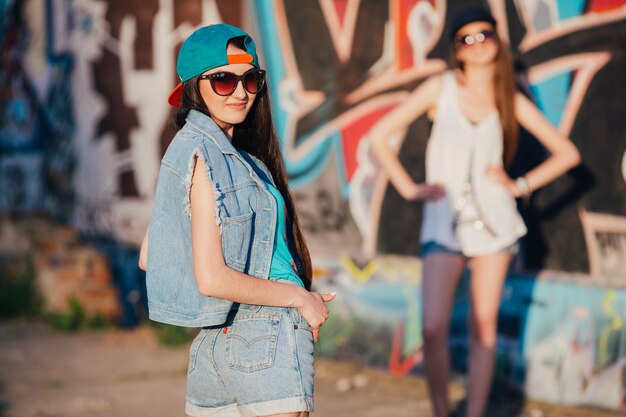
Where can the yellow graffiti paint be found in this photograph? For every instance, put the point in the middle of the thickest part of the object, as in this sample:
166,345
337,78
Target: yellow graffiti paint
361,275
616,324
392,268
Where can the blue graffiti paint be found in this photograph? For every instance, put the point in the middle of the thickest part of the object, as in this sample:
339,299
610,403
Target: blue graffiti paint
127,278
546,324
551,96
3,13
342,171
570,8
307,169
20,182
264,11
556,306
19,128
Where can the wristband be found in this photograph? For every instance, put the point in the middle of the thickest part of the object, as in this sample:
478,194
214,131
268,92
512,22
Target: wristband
524,188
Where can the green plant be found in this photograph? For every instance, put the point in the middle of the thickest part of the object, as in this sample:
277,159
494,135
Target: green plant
170,335
72,320
76,318
18,296
96,321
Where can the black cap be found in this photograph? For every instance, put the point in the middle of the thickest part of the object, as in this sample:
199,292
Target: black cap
468,15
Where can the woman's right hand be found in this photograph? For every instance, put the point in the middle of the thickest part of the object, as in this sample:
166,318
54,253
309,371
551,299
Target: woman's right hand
423,191
313,309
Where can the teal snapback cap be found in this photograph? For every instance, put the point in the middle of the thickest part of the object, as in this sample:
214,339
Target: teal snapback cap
205,49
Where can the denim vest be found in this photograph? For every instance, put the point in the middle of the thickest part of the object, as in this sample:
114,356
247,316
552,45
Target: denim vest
245,213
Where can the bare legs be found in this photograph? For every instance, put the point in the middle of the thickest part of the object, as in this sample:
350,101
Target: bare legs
440,278
488,274
300,414
441,275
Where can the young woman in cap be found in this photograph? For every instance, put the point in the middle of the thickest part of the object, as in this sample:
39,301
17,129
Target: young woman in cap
470,212
224,250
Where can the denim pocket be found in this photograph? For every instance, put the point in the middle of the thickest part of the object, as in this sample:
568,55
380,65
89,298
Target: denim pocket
236,235
251,342
299,321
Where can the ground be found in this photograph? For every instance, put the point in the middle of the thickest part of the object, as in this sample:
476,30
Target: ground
117,373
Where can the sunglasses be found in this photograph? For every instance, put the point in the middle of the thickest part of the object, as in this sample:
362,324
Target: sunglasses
224,83
469,40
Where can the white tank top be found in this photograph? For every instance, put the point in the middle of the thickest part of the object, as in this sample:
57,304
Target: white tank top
456,145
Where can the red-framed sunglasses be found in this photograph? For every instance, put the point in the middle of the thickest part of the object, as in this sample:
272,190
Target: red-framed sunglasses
224,83
469,40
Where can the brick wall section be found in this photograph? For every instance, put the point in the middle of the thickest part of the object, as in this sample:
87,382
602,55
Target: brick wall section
65,267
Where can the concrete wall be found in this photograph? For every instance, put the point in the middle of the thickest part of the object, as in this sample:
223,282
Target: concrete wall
84,122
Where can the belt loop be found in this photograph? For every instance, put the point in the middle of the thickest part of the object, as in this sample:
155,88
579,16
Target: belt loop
293,314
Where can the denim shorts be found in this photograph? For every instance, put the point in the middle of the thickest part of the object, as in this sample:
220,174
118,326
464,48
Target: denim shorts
433,247
260,362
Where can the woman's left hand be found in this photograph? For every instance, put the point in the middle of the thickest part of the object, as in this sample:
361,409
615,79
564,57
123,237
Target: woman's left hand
498,174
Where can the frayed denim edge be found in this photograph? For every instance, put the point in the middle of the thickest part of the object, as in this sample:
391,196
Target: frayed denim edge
197,152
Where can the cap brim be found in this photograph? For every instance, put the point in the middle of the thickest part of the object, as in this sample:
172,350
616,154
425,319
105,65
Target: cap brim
176,96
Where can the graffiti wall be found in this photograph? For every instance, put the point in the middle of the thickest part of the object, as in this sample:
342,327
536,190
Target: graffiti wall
560,339
84,121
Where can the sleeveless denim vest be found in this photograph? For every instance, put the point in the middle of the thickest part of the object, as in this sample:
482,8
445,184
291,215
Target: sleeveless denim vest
245,213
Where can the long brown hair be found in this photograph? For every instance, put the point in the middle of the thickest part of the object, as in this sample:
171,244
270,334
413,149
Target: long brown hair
504,90
257,136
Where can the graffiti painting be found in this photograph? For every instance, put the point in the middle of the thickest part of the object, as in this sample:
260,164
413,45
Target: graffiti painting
85,121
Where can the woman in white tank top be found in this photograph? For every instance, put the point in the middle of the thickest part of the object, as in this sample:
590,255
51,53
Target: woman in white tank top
470,211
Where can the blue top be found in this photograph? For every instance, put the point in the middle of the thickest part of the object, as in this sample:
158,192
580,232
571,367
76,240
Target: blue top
283,266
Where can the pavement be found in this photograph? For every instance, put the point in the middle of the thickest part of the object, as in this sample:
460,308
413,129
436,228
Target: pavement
117,373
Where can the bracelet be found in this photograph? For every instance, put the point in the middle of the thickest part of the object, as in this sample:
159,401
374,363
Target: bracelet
524,188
